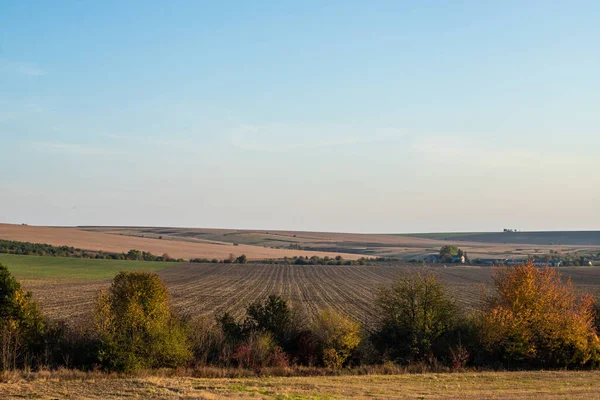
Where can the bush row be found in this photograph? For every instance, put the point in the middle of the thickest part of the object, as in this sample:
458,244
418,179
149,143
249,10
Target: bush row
532,319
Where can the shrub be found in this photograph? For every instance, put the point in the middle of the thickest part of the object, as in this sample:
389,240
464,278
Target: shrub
136,326
307,348
21,323
417,317
207,341
66,345
260,351
339,336
536,319
200,260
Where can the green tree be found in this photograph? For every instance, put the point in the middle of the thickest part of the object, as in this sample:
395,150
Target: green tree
134,254
136,325
416,315
272,316
21,323
447,252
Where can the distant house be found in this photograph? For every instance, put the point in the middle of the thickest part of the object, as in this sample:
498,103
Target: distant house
432,259
458,259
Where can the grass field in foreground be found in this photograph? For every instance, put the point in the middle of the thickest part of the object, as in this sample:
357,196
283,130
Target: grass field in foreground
468,385
45,267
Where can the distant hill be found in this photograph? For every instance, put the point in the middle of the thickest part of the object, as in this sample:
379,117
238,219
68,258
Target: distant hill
558,238
119,242
406,246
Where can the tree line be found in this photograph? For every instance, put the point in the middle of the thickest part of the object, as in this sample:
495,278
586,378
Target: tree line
42,249
532,319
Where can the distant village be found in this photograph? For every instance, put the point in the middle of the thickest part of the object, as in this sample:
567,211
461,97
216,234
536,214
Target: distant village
455,255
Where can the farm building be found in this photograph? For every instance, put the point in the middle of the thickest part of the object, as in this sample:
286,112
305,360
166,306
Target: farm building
458,259
432,259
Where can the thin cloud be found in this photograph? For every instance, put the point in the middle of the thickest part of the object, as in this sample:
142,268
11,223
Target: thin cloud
118,136
75,149
22,68
287,137
152,140
35,107
461,150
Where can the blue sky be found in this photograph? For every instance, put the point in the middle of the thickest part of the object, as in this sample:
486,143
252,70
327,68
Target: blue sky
341,116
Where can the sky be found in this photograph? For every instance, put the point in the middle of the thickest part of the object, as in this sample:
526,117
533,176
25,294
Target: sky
346,116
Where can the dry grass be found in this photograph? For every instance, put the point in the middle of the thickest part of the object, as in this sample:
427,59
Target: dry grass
122,243
469,385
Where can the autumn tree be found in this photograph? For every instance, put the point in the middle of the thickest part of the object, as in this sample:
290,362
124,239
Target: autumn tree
21,323
136,325
338,335
536,319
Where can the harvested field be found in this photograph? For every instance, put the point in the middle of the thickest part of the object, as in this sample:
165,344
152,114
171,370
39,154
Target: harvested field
490,245
468,385
206,289
122,243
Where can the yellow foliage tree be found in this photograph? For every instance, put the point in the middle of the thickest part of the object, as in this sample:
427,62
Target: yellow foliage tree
339,336
537,319
136,326
21,323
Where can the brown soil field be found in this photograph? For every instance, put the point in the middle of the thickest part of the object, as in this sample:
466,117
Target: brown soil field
109,242
369,244
467,385
208,289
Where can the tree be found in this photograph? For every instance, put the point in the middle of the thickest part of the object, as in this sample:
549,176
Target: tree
136,325
241,259
273,316
447,252
536,319
339,336
416,316
232,330
21,323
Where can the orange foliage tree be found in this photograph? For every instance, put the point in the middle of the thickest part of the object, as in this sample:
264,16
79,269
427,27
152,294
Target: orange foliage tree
537,319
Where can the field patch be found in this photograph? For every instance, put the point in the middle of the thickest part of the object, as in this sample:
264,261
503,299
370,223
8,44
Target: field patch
66,287
120,242
68,268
